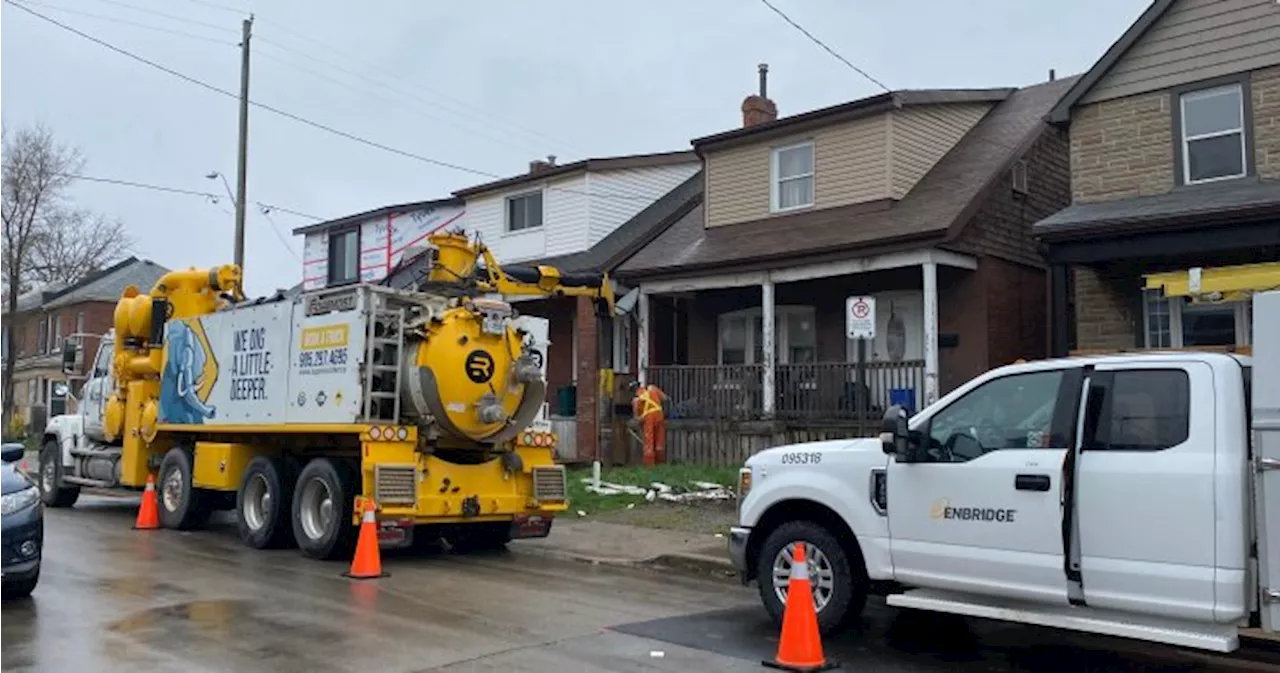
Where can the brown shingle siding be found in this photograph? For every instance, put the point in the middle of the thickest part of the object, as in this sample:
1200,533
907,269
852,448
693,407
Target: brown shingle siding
1002,226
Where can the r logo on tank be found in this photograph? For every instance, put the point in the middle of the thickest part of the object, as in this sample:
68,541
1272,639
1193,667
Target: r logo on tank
479,366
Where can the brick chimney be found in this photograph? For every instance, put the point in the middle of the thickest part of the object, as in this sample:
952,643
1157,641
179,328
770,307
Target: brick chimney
538,165
757,108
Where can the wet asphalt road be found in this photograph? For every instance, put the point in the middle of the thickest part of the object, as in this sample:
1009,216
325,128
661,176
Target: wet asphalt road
114,599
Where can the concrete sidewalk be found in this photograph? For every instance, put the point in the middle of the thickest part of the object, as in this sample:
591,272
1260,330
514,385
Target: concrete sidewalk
620,544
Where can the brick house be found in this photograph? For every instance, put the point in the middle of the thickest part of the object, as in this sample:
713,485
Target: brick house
921,199
47,317
1175,167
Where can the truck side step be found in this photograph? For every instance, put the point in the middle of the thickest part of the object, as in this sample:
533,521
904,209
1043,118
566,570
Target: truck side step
84,481
1214,637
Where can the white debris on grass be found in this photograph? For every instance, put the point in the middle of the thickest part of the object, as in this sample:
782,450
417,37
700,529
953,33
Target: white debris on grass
657,654
705,490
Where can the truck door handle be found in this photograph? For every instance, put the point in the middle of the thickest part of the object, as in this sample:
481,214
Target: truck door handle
1031,482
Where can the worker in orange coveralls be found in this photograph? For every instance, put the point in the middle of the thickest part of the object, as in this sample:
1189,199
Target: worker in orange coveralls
647,406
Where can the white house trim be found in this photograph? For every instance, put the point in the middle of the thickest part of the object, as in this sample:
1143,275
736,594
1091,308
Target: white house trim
793,274
928,260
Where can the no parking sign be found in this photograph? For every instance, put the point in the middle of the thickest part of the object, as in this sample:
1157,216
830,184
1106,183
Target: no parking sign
860,317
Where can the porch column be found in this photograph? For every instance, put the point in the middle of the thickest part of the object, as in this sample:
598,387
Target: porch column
930,270
642,342
767,346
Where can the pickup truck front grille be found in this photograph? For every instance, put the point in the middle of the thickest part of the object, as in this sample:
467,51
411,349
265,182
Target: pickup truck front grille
395,484
549,483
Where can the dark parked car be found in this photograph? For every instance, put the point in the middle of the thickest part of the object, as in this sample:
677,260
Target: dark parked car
23,525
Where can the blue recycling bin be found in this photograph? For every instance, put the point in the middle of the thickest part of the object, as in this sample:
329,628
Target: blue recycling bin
905,398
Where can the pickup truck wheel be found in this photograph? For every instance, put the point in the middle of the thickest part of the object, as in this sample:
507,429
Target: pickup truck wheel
182,506
323,502
839,588
53,493
263,504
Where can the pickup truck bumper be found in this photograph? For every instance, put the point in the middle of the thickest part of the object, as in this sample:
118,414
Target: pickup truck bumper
738,548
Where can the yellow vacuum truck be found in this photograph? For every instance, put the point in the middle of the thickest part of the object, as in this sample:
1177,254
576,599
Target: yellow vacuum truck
427,400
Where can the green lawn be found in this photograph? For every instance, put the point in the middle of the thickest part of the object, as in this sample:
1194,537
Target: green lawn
678,477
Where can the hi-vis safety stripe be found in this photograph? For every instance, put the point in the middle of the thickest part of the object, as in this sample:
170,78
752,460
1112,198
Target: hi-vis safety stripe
800,571
650,405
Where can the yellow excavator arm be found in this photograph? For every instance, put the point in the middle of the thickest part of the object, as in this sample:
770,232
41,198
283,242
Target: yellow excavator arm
545,281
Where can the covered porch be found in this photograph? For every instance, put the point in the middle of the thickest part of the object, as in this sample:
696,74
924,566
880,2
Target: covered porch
772,345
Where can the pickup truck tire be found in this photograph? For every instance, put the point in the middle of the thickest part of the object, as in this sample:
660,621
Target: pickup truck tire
182,506
53,493
264,503
323,502
847,594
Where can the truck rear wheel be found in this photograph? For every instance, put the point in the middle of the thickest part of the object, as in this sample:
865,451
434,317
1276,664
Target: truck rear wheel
182,506
263,503
839,587
53,493
323,501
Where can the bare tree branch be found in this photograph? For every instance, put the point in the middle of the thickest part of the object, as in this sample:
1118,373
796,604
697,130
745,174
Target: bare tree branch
46,239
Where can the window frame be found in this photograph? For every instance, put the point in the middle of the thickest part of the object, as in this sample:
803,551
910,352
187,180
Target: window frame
775,180
1061,420
542,211
782,314
1182,165
330,280
623,344
1104,381
1150,298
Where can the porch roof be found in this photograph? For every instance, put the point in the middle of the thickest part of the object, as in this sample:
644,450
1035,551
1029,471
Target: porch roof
1194,206
935,210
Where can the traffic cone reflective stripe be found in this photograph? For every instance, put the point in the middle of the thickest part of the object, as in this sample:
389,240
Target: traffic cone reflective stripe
367,563
800,648
148,512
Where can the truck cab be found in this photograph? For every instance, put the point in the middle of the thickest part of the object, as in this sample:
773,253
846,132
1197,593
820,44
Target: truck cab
1121,494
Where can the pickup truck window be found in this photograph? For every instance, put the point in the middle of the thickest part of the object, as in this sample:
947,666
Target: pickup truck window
1011,412
102,364
1147,410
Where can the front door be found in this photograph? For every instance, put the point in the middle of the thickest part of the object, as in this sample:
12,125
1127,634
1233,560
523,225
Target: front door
983,515
96,391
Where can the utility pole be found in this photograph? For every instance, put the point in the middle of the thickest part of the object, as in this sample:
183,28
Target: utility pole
244,141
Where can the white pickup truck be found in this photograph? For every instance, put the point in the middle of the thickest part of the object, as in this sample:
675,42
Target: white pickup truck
1134,495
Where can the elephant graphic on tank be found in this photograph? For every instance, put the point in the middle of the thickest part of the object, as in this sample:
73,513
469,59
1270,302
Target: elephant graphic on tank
184,374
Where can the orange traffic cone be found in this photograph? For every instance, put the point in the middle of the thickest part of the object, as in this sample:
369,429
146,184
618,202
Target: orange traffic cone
800,648
367,563
148,514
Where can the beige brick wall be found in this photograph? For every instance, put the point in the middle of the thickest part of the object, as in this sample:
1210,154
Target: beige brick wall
1266,122
1106,305
1122,148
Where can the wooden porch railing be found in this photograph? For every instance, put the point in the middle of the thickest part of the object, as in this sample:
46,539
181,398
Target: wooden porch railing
824,391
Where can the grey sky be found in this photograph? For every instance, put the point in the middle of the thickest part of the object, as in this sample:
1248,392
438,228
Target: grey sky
484,84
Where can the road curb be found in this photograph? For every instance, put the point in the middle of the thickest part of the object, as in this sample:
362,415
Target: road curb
701,565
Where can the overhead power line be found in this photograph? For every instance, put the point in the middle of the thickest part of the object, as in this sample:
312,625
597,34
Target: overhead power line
172,17
178,190
135,24
822,44
298,118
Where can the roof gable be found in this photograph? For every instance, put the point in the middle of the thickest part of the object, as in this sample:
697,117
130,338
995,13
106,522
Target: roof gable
1177,42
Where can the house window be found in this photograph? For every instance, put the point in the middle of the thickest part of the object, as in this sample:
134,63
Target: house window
80,323
344,257
795,340
524,211
792,183
1213,142
42,337
57,333
1176,322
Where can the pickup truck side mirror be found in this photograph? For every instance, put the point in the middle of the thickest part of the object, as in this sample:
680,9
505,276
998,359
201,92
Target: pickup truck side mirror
894,436
70,351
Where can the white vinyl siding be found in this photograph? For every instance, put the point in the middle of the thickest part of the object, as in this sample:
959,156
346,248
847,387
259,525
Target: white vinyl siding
1195,40
1213,135
640,186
